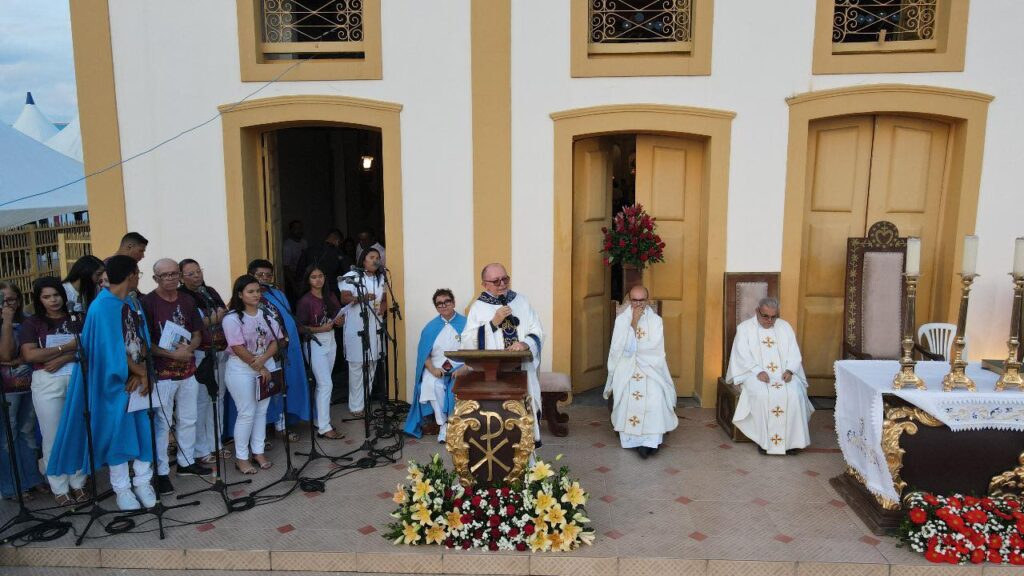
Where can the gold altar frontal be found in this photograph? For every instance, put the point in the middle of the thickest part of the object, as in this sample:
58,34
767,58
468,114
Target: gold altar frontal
490,433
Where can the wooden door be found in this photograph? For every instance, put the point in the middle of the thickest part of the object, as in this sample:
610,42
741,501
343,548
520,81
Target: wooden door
669,177
273,233
591,279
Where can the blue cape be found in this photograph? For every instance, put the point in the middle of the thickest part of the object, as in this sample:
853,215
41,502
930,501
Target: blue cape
118,436
417,410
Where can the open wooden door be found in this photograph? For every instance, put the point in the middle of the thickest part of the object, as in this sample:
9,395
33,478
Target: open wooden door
669,177
591,279
273,233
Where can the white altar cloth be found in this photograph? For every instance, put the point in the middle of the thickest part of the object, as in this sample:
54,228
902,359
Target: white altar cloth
859,388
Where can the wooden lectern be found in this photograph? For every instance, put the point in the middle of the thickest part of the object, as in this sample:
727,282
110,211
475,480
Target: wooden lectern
490,433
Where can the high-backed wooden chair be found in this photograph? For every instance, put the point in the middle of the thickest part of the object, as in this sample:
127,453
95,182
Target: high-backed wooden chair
873,313
743,290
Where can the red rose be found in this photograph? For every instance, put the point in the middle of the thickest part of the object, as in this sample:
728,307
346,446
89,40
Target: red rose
521,546
632,250
505,492
513,532
495,533
449,542
918,516
604,261
608,245
622,243
643,257
466,545
492,546
457,503
528,529
476,501
494,502
466,518
977,557
478,534
494,520
510,510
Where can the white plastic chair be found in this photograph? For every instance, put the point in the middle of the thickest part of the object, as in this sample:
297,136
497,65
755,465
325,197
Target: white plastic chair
940,337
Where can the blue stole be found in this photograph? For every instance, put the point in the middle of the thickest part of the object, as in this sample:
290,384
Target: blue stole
294,367
118,436
417,410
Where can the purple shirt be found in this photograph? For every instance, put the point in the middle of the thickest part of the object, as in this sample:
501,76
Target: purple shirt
183,312
313,311
35,330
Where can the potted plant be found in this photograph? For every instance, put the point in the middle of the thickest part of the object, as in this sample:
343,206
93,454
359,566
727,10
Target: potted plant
633,243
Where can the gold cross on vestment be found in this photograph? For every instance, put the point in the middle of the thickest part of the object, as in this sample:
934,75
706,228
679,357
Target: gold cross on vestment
772,367
637,395
640,333
778,411
768,342
638,376
776,439
634,420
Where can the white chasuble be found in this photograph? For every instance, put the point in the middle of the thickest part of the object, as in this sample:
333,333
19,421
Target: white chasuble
644,396
522,326
775,414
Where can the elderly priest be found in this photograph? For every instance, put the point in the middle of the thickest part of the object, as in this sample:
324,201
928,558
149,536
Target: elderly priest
644,396
773,409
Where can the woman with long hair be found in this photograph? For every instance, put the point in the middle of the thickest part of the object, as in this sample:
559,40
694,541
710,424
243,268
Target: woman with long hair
16,379
318,316
252,343
49,341
371,294
83,283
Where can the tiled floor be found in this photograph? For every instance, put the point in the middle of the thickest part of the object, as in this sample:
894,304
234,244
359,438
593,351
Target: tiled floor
701,498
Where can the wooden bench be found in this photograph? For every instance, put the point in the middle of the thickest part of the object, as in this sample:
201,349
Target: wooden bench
554,388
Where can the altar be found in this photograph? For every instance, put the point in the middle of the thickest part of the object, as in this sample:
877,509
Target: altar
898,441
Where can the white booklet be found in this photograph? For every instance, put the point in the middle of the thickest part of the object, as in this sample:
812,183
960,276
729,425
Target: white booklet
137,401
172,335
54,340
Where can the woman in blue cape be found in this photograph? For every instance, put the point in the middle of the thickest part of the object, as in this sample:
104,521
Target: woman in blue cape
435,373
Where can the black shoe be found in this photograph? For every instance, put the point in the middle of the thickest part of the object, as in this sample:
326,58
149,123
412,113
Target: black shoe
655,450
163,484
643,451
194,469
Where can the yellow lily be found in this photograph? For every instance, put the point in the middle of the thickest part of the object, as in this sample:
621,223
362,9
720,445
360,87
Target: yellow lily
454,520
422,515
575,495
410,533
400,496
540,471
435,534
421,490
571,531
540,541
544,501
556,515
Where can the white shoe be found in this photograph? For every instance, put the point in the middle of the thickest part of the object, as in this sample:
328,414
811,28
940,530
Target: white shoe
442,433
126,501
146,495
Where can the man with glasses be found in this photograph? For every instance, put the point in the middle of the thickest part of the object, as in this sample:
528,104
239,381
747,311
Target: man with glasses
773,409
435,372
642,391
501,319
171,312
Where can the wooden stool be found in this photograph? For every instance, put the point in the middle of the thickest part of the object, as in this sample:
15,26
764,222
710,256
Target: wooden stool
727,397
554,388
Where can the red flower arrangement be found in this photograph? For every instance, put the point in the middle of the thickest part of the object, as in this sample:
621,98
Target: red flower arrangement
965,529
631,239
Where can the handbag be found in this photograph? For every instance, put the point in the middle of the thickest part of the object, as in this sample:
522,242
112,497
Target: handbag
206,373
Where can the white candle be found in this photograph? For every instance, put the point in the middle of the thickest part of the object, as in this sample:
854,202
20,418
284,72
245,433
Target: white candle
913,263
970,261
1018,258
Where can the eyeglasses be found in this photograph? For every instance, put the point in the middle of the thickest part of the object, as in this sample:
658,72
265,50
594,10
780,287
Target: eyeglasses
194,273
263,274
169,275
636,301
443,303
11,300
499,281
767,316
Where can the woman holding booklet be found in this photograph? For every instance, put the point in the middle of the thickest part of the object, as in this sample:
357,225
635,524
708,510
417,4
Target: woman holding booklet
252,343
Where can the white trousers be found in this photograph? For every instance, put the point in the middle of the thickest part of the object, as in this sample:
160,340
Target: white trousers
204,408
321,359
181,394
48,393
356,395
251,423
120,481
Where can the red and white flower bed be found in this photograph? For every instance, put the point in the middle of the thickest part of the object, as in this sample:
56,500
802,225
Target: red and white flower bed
962,529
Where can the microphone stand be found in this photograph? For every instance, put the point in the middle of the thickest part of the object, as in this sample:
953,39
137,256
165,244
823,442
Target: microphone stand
364,335
124,522
399,406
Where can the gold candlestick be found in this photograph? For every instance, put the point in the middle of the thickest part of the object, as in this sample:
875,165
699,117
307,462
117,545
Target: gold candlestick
1011,377
906,375
957,377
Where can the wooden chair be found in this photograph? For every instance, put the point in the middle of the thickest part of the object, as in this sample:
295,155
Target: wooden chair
743,290
873,314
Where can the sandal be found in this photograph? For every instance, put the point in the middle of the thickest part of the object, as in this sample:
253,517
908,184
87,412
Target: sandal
331,434
79,496
245,467
358,414
226,453
63,500
209,459
262,461
292,436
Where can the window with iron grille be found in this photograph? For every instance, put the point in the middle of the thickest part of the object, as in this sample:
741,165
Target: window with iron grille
884,25
311,29
631,26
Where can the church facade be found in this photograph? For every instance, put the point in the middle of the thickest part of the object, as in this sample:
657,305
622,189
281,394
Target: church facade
762,136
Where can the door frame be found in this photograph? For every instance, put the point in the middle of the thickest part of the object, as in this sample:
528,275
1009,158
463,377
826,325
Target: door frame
967,112
243,124
715,127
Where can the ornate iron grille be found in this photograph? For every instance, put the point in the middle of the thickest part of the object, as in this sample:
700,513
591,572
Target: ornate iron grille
630,21
312,21
883,20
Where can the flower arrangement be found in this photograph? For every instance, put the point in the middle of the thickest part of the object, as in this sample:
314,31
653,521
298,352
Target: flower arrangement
631,239
545,511
962,529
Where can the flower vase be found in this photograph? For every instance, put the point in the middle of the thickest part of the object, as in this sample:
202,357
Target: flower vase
631,276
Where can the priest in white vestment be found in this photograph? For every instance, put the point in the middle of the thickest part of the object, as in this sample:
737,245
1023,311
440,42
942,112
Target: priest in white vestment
501,319
644,397
773,409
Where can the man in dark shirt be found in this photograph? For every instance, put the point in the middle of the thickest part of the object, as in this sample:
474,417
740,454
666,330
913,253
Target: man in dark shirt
170,311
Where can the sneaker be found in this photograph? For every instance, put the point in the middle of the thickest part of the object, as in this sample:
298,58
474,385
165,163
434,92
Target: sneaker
442,433
163,484
126,501
146,495
194,469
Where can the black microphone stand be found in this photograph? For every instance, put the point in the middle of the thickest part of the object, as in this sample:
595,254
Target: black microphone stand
364,335
399,406
124,522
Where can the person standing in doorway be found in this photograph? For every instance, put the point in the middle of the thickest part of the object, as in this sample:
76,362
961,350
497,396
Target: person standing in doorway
318,314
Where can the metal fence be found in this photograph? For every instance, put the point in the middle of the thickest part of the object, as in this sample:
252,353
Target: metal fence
31,251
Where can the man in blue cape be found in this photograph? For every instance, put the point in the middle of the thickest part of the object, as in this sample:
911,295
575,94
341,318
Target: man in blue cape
435,374
113,343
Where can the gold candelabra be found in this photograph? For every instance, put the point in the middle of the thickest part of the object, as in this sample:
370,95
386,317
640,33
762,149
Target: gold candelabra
906,375
957,377
1011,377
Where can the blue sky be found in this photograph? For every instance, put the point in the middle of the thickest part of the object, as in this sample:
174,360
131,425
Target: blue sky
36,55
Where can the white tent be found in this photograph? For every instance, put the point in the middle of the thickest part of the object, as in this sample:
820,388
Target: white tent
32,123
29,167
68,141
